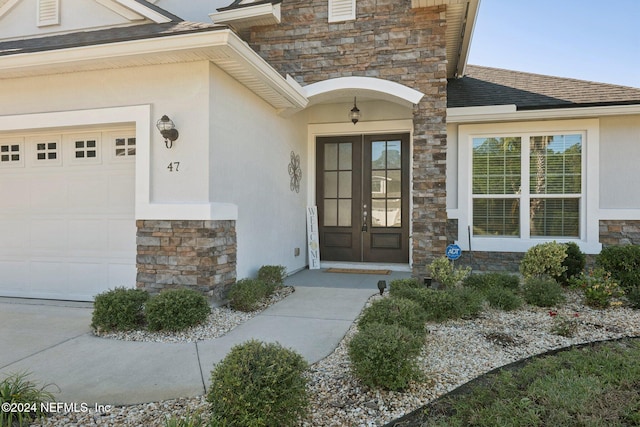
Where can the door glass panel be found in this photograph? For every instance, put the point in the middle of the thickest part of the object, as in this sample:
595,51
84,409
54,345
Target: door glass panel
344,185
394,183
378,184
330,184
378,213
394,212
331,156
344,213
378,155
393,155
345,159
330,213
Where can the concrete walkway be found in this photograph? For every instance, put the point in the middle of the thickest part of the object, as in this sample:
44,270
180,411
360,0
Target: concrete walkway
52,340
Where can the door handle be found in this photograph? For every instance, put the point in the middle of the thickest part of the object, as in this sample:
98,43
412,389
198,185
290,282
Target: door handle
364,218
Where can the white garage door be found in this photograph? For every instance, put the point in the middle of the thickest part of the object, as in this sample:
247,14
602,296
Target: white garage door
67,227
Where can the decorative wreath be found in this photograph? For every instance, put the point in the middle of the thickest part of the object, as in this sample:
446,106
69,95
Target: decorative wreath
295,172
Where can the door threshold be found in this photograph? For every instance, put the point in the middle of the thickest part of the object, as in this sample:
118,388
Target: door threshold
366,265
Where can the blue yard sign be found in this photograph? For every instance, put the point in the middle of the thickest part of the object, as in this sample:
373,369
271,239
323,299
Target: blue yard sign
454,252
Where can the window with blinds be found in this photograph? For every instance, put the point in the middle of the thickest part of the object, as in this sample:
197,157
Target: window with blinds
541,173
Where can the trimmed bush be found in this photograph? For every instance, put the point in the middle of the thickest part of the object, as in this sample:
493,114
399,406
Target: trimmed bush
395,311
623,262
258,385
574,263
542,292
397,286
487,281
503,298
441,305
272,275
544,259
444,272
119,309
384,355
176,309
247,294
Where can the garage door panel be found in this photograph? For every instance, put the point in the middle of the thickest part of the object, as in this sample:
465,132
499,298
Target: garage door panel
15,273
49,234
120,201
87,278
88,235
122,236
48,192
48,276
120,273
15,235
86,193
14,193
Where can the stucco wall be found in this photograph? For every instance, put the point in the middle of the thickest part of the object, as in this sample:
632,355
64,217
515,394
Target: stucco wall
619,162
250,153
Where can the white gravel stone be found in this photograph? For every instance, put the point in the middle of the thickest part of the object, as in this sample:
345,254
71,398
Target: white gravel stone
455,352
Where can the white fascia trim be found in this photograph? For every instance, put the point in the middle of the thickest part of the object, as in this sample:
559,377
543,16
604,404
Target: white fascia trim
151,14
223,38
125,12
502,113
267,73
373,84
258,12
467,36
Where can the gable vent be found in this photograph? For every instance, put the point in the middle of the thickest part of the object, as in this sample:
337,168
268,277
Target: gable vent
342,10
48,12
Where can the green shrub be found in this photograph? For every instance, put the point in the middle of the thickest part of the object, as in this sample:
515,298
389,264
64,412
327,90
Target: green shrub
633,295
574,263
487,281
623,262
470,301
441,305
503,298
17,389
444,272
395,311
384,355
119,309
258,385
247,294
542,292
544,259
176,309
599,288
398,285
273,275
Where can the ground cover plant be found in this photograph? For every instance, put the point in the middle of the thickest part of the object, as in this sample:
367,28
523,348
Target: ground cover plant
23,398
591,385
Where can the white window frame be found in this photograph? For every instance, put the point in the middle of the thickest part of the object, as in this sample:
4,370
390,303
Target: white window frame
13,163
342,10
32,144
589,199
70,141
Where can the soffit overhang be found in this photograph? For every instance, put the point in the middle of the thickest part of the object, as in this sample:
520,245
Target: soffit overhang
461,18
220,46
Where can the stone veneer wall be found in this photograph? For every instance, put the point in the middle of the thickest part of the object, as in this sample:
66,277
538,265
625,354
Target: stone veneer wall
391,41
619,232
199,255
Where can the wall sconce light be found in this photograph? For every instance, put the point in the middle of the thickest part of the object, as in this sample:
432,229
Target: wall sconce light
168,130
354,114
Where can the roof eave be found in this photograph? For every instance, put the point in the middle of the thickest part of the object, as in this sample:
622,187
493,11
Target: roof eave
221,46
505,113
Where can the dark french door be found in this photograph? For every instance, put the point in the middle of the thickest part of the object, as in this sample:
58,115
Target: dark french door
362,194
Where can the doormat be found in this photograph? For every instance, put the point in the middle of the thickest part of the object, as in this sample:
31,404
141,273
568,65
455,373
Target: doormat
356,271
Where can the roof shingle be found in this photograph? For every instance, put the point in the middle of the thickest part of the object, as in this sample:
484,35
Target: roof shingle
485,86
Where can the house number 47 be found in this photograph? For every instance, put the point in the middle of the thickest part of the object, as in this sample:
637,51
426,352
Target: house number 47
174,167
